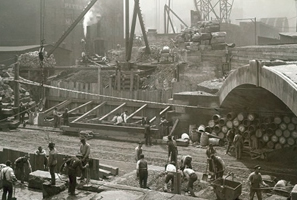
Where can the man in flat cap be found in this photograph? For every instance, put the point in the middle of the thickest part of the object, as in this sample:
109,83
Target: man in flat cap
255,180
52,161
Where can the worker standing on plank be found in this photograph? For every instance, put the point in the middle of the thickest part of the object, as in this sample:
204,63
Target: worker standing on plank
255,180
238,144
52,161
142,170
85,150
19,165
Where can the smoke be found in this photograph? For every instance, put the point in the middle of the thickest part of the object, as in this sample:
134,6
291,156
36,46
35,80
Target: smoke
91,17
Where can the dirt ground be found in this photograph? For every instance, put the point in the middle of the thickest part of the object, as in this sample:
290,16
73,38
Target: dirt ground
121,154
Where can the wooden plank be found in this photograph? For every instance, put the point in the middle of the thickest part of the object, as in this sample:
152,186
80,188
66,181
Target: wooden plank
134,113
83,105
164,110
174,126
59,106
153,119
114,110
93,109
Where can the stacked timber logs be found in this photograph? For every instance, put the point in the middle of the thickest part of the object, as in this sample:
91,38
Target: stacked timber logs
260,132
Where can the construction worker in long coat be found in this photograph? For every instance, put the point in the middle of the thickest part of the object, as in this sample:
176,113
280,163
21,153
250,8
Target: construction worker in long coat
238,144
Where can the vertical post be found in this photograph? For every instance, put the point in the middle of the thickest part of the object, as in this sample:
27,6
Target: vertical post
255,30
177,183
16,87
99,83
127,26
131,80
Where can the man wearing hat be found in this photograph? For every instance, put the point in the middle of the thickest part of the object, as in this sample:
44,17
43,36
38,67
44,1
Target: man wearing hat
255,180
72,164
142,170
52,161
85,150
19,165
138,151
238,144
218,166
172,149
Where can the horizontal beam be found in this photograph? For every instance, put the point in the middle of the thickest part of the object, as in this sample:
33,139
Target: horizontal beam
114,110
59,106
81,106
84,115
134,113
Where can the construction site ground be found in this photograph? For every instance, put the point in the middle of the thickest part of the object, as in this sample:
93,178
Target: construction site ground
121,155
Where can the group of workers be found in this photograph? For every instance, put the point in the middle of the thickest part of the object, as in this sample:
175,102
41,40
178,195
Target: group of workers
235,140
9,173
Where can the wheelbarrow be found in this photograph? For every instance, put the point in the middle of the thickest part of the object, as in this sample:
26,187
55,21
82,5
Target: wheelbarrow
226,189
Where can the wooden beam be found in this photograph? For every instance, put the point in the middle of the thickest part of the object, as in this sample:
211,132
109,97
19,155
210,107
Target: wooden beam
81,106
164,110
134,113
93,109
153,119
59,106
114,110
174,126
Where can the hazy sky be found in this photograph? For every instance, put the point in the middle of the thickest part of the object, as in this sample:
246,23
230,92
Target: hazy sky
153,11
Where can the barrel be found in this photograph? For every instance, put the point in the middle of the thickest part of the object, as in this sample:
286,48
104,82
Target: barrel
222,121
246,122
283,126
216,141
282,140
211,123
221,135
229,124
294,134
235,122
241,128
290,141
269,131
204,139
278,146
277,120
278,132
270,145
193,133
256,122
291,127
286,133
286,146
263,126
217,128
230,116
241,116
286,119
274,138
251,117
225,129
252,128
201,128
216,117
259,133
265,137
294,120
273,126
208,129
246,135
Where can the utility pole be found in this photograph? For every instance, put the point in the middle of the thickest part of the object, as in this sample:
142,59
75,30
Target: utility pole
16,87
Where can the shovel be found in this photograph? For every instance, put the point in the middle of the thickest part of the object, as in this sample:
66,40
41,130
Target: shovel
205,175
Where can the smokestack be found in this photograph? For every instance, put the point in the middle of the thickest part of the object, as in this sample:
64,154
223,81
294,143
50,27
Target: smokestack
88,40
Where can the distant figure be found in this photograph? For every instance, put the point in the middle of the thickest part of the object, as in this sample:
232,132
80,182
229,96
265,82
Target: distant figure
56,117
147,134
22,112
238,144
186,162
254,181
172,149
42,152
117,119
164,127
65,117
19,165
170,170
218,166
52,161
85,150
191,176
209,152
8,178
138,151
230,136
73,164
124,116
142,170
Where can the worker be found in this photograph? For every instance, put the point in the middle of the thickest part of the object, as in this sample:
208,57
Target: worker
8,178
41,152
172,149
255,180
210,151
164,127
142,170
124,116
138,151
20,163
147,134
170,170
238,144
65,117
85,150
230,137
56,117
218,166
118,120
191,176
22,112
52,161
73,164
186,162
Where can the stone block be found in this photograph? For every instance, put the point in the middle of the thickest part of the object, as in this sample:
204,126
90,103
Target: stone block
38,177
50,190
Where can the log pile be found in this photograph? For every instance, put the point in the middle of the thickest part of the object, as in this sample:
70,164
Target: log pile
260,132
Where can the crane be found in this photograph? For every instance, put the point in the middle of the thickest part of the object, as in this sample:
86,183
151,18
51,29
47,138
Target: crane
219,9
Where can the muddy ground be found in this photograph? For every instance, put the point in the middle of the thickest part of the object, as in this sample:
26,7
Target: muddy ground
121,154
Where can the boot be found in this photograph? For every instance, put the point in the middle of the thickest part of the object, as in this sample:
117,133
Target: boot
165,187
192,192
